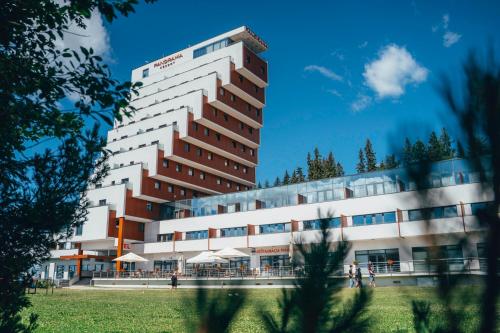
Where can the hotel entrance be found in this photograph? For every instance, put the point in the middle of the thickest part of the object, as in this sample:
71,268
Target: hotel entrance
274,265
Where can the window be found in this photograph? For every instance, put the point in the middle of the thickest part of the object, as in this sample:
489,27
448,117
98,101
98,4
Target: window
214,112
236,166
226,118
217,136
237,187
257,112
274,228
226,162
256,88
149,206
432,213
178,167
202,175
234,144
245,170
165,163
98,185
141,227
187,147
79,230
252,152
210,156
195,126
211,47
102,202
334,222
262,70
423,260
145,72
233,232
131,162
228,184
249,107
377,218
157,185
384,260
479,206
243,148
206,131
154,142
248,59
200,234
233,98
183,191
170,188
191,172
219,181
221,91
242,126
165,237
240,77
199,152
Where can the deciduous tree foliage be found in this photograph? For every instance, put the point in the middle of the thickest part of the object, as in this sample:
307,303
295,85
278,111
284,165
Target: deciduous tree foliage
42,190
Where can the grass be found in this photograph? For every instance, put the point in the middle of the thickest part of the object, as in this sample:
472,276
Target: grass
165,310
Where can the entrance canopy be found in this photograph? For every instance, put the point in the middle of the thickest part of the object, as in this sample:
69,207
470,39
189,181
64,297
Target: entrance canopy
206,257
229,252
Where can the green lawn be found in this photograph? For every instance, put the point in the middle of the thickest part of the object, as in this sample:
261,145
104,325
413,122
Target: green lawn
165,311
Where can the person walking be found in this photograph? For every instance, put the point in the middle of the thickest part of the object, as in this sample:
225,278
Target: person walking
174,280
359,278
351,277
371,275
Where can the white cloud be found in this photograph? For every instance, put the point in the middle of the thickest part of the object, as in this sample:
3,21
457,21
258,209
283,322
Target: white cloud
334,92
323,71
361,103
392,71
363,45
450,38
446,21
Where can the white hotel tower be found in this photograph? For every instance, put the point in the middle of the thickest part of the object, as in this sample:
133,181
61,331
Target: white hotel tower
195,132
182,182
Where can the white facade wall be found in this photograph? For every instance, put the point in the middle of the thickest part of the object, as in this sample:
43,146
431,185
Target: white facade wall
114,195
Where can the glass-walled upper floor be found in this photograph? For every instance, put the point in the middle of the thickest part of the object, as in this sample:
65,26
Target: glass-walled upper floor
444,173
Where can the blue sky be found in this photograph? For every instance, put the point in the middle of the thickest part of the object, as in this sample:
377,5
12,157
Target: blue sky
339,72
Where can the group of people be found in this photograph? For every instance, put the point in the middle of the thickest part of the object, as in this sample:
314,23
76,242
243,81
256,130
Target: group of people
356,278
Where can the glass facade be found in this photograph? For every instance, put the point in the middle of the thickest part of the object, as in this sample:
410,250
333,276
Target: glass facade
333,222
165,265
444,173
200,234
211,47
432,213
423,262
274,228
270,262
233,232
378,218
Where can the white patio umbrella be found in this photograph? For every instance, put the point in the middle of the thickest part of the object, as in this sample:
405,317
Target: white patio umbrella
131,257
206,257
229,253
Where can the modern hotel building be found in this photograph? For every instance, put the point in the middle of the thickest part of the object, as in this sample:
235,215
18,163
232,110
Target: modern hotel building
182,181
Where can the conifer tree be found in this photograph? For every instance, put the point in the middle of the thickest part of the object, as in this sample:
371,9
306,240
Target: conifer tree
371,159
408,152
277,181
300,175
391,162
316,166
286,178
434,149
259,185
310,168
340,170
329,167
361,166
266,184
460,150
447,150
419,151
293,178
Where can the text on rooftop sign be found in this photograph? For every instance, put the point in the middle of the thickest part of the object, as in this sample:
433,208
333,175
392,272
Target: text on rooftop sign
168,61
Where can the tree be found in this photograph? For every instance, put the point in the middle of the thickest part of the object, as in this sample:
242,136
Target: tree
460,150
419,151
293,179
408,152
266,184
300,175
371,159
315,166
391,162
434,149
329,167
286,178
361,166
447,150
42,191
340,170
259,185
277,181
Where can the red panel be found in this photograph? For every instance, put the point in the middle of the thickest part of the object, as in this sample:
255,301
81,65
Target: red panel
256,65
238,104
137,207
234,125
247,86
225,143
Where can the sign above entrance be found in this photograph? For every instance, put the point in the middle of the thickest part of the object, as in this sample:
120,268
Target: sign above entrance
272,250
